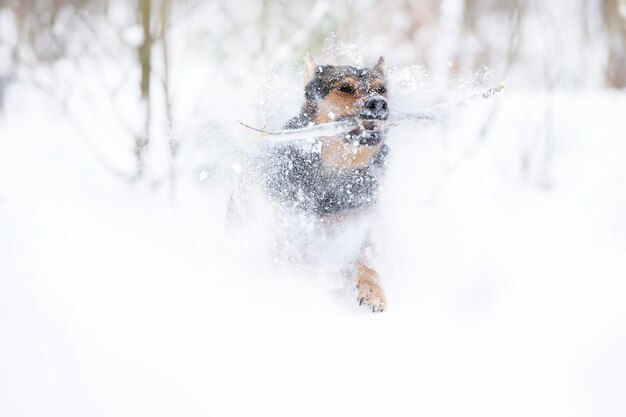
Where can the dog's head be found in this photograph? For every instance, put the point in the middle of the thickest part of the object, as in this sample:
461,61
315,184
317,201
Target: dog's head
336,92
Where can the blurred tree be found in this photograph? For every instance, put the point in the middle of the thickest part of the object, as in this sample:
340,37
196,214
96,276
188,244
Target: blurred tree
134,52
144,50
614,13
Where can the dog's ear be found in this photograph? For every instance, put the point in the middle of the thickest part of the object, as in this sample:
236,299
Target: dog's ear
310,67
380,65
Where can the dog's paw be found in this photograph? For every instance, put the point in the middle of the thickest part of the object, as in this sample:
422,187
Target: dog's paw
371,295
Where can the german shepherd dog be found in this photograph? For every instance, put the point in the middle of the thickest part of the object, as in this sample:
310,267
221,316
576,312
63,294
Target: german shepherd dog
337,180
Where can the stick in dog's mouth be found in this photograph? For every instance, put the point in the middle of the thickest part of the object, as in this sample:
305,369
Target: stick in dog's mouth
355,127
369,132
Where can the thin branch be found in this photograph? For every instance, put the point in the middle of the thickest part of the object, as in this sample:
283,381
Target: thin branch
431,115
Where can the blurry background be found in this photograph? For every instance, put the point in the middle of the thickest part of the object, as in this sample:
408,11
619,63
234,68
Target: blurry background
502,230
145,75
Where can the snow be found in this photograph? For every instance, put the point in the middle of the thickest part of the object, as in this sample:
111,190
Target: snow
505,288
501,229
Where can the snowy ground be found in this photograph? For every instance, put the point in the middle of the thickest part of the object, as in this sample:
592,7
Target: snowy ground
505,289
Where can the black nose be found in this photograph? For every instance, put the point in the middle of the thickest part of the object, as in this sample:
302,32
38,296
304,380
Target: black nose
376,107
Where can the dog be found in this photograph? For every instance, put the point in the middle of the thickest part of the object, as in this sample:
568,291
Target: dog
337,179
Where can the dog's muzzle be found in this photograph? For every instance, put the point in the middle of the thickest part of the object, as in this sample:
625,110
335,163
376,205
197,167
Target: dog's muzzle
370,132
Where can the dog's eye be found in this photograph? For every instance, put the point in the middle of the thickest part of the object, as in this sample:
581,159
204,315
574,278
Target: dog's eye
381,90
347,89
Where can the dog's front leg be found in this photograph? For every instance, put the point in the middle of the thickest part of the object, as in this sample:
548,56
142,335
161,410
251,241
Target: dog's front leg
369,290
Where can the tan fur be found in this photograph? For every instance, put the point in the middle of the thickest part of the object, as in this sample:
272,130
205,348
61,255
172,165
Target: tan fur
369,291
310,66
336,153
339,154
380,65
337,104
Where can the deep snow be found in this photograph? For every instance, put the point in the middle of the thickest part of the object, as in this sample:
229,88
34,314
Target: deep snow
505,284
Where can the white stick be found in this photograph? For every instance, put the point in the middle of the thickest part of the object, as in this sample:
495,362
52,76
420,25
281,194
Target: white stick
433,114
310,132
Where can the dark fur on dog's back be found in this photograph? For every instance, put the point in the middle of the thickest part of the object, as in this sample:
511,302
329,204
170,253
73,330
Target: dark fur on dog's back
296,177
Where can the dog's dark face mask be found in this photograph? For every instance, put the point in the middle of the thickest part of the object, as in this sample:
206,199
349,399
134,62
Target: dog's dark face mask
340,92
